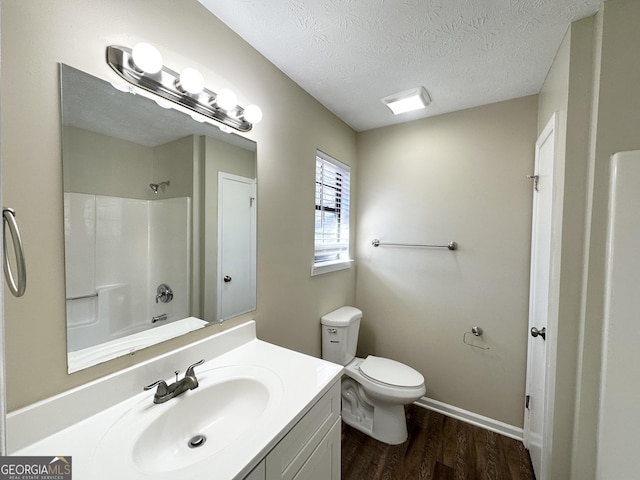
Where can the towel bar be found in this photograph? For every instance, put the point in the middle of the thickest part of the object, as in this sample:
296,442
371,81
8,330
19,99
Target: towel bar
81,297
378,243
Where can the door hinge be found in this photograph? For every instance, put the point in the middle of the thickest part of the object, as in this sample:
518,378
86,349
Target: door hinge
251,200
527,399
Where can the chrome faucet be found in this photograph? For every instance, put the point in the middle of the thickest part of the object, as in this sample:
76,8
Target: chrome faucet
167,392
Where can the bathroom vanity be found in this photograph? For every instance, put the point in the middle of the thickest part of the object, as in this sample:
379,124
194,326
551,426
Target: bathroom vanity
311,449
259,412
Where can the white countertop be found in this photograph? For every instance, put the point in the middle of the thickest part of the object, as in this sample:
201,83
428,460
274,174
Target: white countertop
304,379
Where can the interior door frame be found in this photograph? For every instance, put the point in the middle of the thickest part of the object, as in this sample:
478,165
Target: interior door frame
549,133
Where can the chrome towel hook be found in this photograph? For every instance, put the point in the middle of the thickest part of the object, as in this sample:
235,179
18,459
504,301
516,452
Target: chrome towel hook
17,288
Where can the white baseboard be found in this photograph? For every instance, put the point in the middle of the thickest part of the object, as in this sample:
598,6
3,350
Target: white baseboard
472,418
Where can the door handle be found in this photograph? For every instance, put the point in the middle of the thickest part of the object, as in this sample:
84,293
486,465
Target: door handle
542,332
227,279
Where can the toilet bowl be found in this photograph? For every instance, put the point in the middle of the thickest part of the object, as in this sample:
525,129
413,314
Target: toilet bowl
380,411
374,389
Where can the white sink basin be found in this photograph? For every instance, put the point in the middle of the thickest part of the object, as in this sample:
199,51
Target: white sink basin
194,426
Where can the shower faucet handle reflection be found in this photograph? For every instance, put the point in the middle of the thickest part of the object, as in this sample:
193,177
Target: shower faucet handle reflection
164,293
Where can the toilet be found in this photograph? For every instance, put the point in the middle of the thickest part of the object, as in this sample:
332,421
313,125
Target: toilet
374,389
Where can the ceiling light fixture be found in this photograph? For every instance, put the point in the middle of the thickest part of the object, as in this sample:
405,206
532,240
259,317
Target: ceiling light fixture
407,101
142,66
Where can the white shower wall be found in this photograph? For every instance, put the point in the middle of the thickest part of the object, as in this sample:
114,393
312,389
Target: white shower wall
170,255
118,250
619,391
121,263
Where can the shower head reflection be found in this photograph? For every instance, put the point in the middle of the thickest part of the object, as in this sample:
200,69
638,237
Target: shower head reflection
156,186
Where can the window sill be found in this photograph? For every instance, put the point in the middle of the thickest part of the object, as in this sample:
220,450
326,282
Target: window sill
327,267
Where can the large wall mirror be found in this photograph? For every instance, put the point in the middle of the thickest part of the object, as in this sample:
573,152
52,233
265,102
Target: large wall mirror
159,221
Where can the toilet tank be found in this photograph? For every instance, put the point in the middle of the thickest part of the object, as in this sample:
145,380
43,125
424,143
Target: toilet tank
340,334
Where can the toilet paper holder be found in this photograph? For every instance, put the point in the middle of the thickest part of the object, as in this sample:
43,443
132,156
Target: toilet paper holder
476,332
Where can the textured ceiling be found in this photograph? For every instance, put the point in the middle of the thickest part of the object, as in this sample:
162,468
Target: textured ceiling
348,54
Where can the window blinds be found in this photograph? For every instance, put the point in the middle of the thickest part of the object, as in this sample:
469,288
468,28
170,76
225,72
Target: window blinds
332,209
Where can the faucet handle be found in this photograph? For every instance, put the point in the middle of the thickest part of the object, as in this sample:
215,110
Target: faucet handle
162,387
190,372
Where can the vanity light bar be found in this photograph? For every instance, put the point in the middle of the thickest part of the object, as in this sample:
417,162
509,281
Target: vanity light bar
169,85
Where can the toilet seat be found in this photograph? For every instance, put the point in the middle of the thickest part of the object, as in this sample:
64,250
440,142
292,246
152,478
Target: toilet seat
390,372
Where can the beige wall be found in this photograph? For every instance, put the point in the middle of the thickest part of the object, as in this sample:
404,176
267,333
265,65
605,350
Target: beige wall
567,92
36,36
96,163
104,165
461,177
615,128
595,85
173,161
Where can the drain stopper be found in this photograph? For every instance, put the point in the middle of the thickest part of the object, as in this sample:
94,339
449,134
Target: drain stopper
197,441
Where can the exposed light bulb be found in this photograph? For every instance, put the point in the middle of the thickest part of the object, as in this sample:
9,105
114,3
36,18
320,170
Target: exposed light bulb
147,58
252,114
191,81
226,99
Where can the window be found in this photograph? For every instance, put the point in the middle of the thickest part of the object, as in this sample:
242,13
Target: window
332,215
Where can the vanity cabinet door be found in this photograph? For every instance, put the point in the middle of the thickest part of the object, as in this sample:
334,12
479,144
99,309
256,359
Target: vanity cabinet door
258,473
291,455
324,463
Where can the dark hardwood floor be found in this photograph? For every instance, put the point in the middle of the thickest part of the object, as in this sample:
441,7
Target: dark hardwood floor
438,448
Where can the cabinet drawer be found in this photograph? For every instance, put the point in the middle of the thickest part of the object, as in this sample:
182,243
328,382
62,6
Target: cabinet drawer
294,449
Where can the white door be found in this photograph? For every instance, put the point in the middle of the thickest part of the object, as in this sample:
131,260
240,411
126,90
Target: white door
236,245
537,407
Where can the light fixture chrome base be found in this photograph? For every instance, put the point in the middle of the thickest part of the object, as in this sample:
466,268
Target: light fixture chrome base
165,85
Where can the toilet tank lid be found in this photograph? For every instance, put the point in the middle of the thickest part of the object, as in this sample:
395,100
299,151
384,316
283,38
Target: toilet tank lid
342,317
